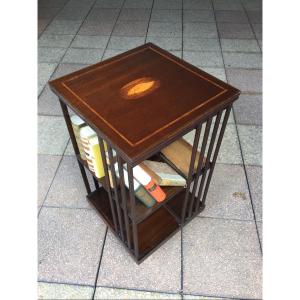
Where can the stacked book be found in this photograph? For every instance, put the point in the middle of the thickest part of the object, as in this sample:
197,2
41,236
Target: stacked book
149,177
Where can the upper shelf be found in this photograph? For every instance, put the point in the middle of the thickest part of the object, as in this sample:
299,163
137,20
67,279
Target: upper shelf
140,100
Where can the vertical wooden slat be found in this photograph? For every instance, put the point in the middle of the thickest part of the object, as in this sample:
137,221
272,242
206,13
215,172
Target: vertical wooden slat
74,143
96,183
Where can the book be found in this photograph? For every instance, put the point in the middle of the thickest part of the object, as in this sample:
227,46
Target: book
179,153
149,184
77,124
162,173
96,157
139,191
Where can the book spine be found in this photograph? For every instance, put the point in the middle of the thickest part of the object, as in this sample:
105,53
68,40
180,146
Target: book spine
86,148
97,160
76,130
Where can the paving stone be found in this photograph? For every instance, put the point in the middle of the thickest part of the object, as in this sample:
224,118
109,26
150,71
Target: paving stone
222,258
200,30
47,54
260,231
103,15
63,27
52,135
228,16
138,3
130,28
83,56
208,59
67,189
199,44
251,143
164,29
86,41
228,195
110,293
237,45
254,175
165,42
69,245
197,4
252,5
42,24
125,42
227,5
197,15
109,3
166,15
245,80
257,30
53,40
110,53
135,14
48,103
73,13
56,3
159,272
47,12
259,40
96,28
69,149
217,72
248,109
235,31
167,4
242,60
47,165
188,297
255,17
176,53
64,291
80,4
44,72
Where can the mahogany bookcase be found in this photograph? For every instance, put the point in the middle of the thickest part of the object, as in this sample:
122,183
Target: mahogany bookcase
139,102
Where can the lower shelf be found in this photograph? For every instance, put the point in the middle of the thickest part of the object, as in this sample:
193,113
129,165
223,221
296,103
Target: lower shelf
153,231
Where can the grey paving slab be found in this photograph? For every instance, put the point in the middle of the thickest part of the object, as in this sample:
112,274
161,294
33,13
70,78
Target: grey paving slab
176,53
56,3
231,16
111,52
239,45
187,297
254,175
138,3
252,5
79,3
166,43
255,16
52,135
208,59
73,13
83,56
135,14
245,80
47,12
227,5
167,4
48,103
53,40
228,195
201,44
260,231
257,30
69,149
164,29
47,165
49,54
103,15
65,68
67,189
235,31
242,60
248,109
90,41
130,28
251,143
111,293
159,272
69,245
42,24
45,70
63,27
200,30
197,4
222,258
166,15
96,28
197,15
259,40
217,72
64,291
125,42
109,3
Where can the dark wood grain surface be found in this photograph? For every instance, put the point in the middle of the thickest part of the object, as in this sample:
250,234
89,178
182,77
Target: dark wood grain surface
165,97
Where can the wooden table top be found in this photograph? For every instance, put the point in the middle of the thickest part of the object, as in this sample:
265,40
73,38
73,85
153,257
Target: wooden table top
142,99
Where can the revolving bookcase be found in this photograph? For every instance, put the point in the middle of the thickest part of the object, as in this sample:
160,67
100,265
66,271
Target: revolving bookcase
138,103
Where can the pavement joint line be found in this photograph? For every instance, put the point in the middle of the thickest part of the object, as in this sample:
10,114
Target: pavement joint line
149,21
66,207
64,283
50,185
224,219
240,146
99,264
